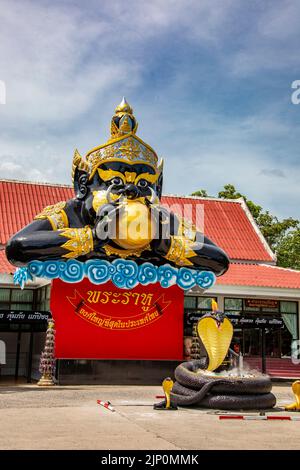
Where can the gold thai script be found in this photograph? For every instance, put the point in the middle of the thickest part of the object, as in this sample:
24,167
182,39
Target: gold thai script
124,298
117,324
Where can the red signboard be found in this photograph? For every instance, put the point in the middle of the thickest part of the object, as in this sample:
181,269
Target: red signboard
261,303
104,322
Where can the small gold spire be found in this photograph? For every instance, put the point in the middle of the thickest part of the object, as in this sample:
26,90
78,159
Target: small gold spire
123,122
124,107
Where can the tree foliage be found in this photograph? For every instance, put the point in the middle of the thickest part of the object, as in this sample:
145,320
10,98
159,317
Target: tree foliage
200,193
283,236
288,254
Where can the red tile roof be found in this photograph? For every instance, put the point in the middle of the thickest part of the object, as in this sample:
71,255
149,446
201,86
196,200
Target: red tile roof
260,275
20,202
230,225
225,222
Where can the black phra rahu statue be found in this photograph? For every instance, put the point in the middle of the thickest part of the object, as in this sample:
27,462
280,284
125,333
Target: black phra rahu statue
116,212
116,231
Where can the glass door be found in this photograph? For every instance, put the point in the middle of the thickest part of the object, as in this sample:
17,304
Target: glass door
251,342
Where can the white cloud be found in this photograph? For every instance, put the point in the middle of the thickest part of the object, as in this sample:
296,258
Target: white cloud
214,153
44,60
10,169
271,43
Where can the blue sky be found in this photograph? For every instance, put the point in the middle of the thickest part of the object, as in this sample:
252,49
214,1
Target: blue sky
209,81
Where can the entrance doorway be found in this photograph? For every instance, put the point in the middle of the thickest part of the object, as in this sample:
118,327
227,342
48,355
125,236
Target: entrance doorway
249,340
22,343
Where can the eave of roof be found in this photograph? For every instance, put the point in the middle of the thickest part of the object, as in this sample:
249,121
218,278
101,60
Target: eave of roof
260,275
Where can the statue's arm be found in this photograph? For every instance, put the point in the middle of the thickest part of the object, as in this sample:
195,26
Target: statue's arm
38,241
50,236
201,255
183,245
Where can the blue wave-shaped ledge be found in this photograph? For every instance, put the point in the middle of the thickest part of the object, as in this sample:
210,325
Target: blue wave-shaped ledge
125,274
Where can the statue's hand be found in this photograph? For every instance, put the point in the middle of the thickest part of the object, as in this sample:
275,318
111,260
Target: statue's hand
166,224
106,223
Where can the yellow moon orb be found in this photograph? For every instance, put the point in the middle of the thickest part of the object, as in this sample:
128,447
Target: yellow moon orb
134,225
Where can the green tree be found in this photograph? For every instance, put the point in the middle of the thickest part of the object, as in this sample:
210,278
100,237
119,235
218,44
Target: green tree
200,193
288,253
283,236
229,192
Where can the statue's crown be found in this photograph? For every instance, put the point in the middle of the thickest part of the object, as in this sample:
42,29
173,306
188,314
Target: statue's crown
123,145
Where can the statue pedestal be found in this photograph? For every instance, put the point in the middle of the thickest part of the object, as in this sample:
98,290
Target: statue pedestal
46,381
108,323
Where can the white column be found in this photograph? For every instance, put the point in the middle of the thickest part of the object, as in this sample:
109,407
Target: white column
220,300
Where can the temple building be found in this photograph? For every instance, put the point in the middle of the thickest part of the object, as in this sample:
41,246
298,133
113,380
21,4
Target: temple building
261,298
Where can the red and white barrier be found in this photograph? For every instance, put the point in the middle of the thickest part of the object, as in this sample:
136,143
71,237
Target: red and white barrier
261,418
106,404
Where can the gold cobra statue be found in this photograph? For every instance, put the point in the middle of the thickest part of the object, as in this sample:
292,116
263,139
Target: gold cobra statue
296,391
216,335
215,331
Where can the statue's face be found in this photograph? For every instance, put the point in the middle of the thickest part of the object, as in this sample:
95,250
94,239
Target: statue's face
134,181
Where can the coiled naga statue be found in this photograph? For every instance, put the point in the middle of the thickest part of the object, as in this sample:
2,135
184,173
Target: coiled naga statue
116,211
197,384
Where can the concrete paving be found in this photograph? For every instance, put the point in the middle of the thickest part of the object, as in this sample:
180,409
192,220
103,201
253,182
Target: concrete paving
69,417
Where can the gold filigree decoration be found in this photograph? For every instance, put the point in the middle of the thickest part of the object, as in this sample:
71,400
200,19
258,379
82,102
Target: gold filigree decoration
125,127
80,241
180,251
122,253
55,214
78,163
187,230
130,149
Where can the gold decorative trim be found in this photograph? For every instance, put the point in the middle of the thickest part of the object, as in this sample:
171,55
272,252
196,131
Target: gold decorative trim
129,177
180,250
187,230
56,215
122,253
78,163
80,241
129,148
